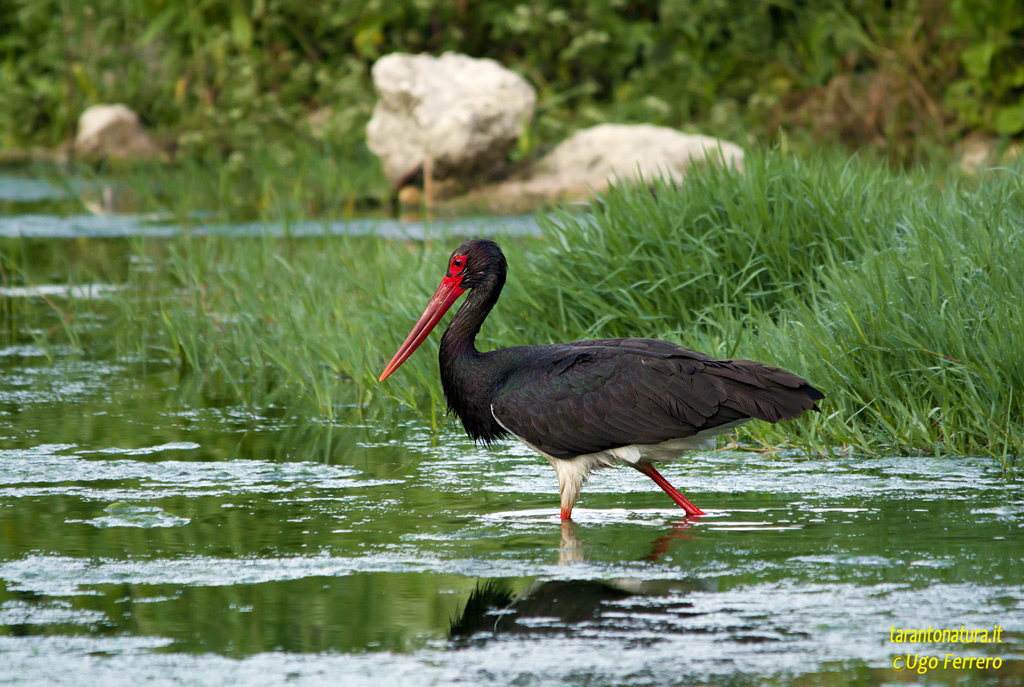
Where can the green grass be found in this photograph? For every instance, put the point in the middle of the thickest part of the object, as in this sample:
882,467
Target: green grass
898,294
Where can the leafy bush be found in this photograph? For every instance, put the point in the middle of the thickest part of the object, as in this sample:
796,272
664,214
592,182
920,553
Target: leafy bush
218,75
989,93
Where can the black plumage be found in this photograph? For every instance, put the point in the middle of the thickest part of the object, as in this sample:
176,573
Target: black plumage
587,397
593,396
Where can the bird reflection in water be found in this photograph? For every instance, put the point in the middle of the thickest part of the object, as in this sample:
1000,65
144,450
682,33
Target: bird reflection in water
549,606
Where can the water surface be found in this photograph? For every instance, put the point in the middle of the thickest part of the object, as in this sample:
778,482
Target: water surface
141,538
153,535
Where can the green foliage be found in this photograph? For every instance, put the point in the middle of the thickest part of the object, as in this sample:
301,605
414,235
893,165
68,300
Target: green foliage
897,295
223,75
220,73
990,91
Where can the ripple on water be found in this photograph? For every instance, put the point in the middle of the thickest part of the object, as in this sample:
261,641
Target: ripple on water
71,291
26,190
52,469
55,612
145,450
512,467
129,515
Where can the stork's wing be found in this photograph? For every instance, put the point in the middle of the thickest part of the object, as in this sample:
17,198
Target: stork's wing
596,395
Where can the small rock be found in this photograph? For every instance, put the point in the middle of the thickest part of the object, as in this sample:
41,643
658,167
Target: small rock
319,122
410,196
463,113
978,153
113,131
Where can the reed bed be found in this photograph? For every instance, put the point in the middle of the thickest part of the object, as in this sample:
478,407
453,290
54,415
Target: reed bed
899,294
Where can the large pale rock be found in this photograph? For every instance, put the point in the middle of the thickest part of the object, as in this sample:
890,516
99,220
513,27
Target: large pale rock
595,157
979,153
592,159
463,113
113,131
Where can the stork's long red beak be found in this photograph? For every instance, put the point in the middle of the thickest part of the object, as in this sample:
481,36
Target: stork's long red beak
447,293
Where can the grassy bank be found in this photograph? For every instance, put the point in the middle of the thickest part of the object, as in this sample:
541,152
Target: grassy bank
901,297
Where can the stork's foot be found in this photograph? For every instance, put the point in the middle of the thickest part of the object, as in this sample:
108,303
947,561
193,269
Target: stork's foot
566,514
672,492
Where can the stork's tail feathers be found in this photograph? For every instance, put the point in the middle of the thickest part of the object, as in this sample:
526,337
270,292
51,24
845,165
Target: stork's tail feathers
764,392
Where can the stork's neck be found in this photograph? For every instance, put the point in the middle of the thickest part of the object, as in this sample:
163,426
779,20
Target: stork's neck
468,376
459,339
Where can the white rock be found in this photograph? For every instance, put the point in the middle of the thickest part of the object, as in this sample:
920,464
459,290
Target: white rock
595,157
592,159
113,131
979,153
462,112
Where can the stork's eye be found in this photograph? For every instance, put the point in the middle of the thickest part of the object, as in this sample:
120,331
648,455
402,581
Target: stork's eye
457,264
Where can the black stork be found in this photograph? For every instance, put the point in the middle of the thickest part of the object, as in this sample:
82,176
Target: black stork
591,404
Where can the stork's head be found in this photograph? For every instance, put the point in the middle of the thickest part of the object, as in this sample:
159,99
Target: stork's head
470,265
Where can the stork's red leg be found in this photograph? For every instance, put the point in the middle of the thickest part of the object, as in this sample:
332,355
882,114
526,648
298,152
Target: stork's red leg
672,492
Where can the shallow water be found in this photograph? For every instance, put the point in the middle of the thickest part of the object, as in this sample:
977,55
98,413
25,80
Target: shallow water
142,537
149,535
36,209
